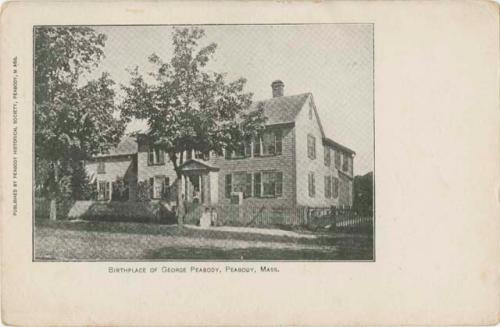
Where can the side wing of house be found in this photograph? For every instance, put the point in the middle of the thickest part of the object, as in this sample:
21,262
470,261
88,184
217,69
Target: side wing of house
108,171
310,168
321,180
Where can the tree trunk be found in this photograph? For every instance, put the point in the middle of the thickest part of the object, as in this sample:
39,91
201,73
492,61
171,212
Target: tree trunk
178,185
53,199
180,201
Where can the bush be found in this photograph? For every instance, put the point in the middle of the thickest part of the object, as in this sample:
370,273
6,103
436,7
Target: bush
151,212
42,208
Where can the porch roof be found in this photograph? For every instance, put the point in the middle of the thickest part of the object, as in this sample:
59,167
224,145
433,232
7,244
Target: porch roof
193,165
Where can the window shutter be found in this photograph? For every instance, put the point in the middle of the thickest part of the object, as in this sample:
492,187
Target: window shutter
151,187
161,160
335,187
228,186
166,187
279,184
248,186
256,185
309,184
150,156
106,191
162,185
278,141
309,146
313,149
313,185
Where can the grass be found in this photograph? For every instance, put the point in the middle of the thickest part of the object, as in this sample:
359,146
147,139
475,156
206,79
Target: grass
97,240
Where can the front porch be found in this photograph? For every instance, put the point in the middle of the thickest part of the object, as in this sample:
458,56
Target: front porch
199,183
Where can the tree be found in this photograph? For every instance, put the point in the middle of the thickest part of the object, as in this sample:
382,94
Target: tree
188,107
72,121
363,194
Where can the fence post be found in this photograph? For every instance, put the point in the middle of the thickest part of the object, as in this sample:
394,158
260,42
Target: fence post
333,213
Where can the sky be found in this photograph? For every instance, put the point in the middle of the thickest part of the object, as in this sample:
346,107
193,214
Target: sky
332,61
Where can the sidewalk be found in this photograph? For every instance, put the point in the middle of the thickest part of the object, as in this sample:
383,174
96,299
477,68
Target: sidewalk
263,231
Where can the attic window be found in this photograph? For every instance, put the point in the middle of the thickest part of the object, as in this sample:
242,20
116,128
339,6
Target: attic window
310,113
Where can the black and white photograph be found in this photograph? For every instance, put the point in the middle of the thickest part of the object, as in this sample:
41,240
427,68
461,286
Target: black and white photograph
249,163
203,142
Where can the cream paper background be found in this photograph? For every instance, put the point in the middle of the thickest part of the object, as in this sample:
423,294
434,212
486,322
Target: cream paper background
436,171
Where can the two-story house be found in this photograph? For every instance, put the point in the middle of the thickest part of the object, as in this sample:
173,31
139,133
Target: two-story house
292,164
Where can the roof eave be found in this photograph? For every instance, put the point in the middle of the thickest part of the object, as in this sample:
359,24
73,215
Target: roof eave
205,166
337,145
101,156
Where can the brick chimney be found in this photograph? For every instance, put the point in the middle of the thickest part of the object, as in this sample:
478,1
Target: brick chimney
277,87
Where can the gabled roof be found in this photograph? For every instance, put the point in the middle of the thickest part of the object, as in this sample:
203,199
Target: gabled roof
195,165
282,109
127,146
278,110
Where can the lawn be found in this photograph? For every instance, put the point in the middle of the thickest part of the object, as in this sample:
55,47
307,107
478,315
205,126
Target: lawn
101,241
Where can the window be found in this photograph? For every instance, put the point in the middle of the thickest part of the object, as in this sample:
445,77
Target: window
158,186
311,184
310,113
328,187
269,144
256,147
345,163
156,156
103,191
101,168
327,156
268,184
337,159
239,182
335,187
248,149
228,183
311,146
239,153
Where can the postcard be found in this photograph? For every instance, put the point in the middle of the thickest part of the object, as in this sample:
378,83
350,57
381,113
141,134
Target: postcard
250,163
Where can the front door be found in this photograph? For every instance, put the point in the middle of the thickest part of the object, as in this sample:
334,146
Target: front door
195,188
